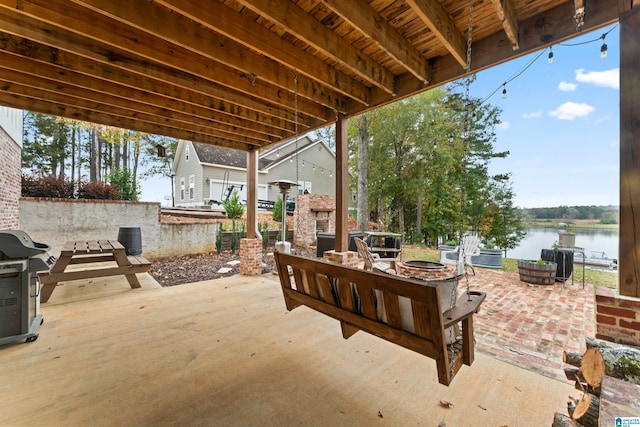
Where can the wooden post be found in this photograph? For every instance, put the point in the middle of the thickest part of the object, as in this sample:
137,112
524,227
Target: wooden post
628,247
342,184
252,198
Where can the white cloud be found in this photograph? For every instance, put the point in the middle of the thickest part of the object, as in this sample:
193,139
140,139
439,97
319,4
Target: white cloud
608,78
571,110
567,87
503,125
532,115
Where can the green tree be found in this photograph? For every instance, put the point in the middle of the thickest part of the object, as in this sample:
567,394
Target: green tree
125,182
233,207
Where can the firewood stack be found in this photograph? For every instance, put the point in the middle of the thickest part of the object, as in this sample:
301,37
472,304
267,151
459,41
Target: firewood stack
587,371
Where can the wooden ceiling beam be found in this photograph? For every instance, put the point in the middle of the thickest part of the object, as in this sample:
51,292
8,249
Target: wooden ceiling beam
141,87
172,29
442,26
507,15
99,108
116,98
366,19
231,24
166,62
72,112
295,21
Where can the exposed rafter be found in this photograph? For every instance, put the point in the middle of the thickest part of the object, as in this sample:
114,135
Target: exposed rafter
506,14
367,20
442,27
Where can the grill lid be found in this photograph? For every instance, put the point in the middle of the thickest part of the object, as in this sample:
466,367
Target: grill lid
16,244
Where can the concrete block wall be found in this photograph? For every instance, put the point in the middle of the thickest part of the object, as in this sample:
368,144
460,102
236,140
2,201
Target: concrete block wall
617,317
56,221
10,182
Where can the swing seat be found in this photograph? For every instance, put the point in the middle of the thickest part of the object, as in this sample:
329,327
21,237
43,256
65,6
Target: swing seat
376,303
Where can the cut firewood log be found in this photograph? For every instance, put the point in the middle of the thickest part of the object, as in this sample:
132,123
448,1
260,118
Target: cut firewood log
587,410
571,372
582,386
592,367
561,420
570,358
621,361
598,343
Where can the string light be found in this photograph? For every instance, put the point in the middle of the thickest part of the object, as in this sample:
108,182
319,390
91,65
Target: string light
603,55
603,48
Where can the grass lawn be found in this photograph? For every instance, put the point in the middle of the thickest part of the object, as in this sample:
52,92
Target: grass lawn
596,277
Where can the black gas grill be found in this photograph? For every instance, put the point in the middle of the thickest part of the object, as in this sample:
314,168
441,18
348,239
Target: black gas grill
20,259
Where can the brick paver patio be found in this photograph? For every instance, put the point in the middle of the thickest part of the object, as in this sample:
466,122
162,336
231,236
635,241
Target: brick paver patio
531,325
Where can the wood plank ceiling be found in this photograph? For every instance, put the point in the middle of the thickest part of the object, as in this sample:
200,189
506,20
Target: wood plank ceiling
247,73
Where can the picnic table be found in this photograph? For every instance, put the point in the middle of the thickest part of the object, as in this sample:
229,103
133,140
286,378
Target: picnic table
92,252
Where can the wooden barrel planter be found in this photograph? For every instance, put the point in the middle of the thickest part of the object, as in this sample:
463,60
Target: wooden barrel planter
537,274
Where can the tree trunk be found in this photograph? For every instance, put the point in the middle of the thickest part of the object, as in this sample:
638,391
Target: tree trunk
363,173
94,155
419,214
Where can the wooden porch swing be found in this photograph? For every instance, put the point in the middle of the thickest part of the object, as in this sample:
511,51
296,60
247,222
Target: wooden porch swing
411,313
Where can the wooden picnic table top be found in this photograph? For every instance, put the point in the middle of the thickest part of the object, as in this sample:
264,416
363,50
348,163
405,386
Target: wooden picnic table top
80,247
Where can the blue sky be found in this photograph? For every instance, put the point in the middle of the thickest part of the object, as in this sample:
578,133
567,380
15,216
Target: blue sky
560,121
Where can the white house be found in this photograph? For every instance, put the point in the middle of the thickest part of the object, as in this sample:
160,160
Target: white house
204,174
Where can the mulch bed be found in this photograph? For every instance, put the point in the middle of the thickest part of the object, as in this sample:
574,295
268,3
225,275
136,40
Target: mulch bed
173,271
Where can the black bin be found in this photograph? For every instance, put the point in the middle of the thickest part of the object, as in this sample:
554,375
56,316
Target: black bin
327,242
131,239
563,260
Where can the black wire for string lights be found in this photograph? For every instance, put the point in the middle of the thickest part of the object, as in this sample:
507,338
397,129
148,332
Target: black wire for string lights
530,63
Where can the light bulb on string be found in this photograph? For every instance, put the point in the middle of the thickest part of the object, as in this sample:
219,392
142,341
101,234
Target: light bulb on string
303,163
314,167
330,174
550,57
603,49
504,91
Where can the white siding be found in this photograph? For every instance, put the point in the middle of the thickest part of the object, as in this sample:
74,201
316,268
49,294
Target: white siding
11,121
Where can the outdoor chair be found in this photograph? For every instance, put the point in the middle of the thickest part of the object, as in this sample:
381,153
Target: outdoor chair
468,247
372,261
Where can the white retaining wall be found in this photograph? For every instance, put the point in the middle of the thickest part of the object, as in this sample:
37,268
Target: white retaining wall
56,221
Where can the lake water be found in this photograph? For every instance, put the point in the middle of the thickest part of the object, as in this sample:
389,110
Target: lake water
543,238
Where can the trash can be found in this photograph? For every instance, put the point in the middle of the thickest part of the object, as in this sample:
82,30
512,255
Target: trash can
563,260
131,239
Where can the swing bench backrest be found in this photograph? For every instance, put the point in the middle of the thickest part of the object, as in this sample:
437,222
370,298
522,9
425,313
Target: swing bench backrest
372,302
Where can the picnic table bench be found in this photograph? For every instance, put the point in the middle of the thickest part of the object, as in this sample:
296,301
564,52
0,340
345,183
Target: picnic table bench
404,311
92,252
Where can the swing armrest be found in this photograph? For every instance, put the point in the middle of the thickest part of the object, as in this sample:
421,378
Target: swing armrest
465,306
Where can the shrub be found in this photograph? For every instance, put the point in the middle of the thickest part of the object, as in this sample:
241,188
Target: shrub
277,210
98,190
233,207
48,186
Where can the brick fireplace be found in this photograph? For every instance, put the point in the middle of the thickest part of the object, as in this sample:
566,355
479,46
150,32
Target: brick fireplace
313,213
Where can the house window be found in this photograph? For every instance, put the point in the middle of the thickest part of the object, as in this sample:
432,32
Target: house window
186,153
192,186
182,188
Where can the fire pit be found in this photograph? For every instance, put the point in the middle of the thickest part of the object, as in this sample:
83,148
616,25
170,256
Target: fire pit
427,270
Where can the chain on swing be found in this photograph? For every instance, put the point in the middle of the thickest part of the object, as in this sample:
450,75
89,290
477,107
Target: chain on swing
295,103
467,131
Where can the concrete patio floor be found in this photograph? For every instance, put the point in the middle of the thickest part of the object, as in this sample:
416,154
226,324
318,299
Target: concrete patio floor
226,352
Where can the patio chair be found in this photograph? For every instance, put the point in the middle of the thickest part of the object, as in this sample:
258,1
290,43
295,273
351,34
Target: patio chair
371,261
469,247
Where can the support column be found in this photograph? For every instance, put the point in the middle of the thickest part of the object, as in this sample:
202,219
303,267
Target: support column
629,243
251,257
252,194
342,184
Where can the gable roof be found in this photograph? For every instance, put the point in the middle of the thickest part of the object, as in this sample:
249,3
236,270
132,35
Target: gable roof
228,157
